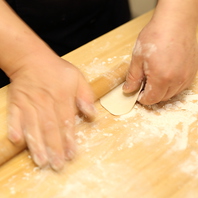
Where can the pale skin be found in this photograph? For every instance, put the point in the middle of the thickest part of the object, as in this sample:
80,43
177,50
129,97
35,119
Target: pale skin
46,91
166,53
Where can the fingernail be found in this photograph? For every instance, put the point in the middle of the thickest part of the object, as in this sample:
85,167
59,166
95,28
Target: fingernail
56,163
86,108
13,136
126,86
40,160
140,96
70,155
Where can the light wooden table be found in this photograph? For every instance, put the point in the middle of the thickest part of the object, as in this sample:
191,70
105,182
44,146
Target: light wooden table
152,152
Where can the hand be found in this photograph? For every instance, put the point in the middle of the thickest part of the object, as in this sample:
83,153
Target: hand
166,56
44,96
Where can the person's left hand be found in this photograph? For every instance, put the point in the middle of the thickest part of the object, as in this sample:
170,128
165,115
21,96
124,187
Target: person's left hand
166,56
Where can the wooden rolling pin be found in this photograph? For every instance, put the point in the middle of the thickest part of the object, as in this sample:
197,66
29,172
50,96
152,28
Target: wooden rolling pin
110,80
100,87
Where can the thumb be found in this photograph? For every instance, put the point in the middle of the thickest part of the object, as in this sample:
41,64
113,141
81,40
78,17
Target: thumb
134,76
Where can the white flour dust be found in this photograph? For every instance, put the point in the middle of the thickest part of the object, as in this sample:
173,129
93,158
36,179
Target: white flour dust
101,178
173,120
145,50
190,165
101,66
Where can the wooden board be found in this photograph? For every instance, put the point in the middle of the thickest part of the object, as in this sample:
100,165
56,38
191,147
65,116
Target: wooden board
150,152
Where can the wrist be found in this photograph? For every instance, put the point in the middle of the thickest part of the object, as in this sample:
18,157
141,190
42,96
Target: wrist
20,46
25,54
178,14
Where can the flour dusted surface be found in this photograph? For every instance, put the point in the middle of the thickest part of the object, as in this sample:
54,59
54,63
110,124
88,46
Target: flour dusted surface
122,156
171,119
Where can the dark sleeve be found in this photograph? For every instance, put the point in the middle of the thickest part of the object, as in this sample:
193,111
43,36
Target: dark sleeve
67,24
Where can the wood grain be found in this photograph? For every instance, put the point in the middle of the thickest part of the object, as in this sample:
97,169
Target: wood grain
150,152
100,86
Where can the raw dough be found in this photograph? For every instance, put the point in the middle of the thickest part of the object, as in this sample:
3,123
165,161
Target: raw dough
119,103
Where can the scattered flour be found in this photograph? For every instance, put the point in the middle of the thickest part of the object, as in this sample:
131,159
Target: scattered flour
102,66
101,178
172,120
190,165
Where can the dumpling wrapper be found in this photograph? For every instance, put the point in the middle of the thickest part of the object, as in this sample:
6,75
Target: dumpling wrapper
117,102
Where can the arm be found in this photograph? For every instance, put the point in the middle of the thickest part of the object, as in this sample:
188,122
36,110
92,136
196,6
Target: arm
166,52
44,95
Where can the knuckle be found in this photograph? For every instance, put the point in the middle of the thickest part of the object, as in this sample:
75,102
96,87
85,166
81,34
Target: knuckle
14,135
149,98
165,78
132,77
183,78
173,78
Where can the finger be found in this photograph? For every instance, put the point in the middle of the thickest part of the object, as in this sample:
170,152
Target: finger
67,128
175,90
178,87
33,135
66,114
52,136
69,139
153,93
134,76
85,99
172,91
15,133
185,85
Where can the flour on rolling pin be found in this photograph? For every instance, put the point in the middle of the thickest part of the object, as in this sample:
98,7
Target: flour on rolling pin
119,103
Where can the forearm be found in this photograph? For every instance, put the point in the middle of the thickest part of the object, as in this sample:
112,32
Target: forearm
18,41
182,13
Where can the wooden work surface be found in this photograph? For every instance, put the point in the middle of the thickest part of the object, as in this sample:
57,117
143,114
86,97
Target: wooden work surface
152,152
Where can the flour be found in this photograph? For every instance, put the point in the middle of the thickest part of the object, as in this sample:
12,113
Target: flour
78,120
107,134
98,67
125,57
149,49
163,120
12,191
144,49
100,178
106,164
190,165
137,50
171,120
95,68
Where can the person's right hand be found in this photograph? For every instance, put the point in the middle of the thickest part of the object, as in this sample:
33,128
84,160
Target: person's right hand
44,96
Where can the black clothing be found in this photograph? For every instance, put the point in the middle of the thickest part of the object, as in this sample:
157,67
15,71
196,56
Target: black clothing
68,24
